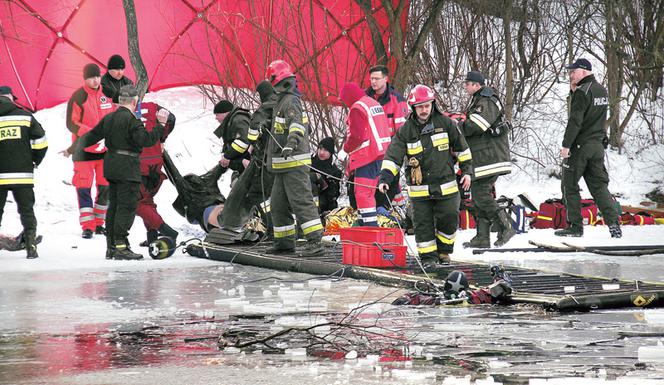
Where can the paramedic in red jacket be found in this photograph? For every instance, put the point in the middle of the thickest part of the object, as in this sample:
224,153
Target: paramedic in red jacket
152,175
367,139
85,109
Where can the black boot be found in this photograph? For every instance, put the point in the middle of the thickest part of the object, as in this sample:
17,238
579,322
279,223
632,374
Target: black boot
572,231
312,249
100,230
152,236
506,231
122,251
615,231
168,231
31,244
280,249
482,238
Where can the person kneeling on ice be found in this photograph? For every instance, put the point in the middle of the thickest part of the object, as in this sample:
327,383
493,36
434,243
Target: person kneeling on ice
427,140
125,136
456,290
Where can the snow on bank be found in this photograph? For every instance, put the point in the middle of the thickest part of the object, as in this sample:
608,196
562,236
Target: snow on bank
195,150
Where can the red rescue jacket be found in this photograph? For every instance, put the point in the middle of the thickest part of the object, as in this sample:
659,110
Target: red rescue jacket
369,133
85,109
394,104
151,157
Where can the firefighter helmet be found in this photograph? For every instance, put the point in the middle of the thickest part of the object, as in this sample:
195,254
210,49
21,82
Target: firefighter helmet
455,283
420,94
278,70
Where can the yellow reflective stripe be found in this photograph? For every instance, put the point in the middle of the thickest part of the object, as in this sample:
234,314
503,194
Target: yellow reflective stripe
39,146
418,191
414,148
265,206
426,247
446,239
465,156
252,135
305,118
295,161
239,146
296,127
15,123
284,231
16,181
480,121
391,166
493,169
311,228
544,218
440,139
449,188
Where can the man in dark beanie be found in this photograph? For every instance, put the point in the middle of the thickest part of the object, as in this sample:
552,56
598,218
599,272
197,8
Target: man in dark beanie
325,176
114,78
85,109
126,136
486,134
233,130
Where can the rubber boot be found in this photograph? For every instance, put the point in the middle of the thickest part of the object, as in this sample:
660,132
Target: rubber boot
506,231
615,231
122,251
444,258
152,236
31,244
168,231
312,249
572,231
482,238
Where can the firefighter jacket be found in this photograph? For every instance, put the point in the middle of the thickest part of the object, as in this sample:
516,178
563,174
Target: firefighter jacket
234,132
85,109
588,106
125,138
110,86
261,122
369,134
434,144
22,145
491,154
394,104
290,128
151,158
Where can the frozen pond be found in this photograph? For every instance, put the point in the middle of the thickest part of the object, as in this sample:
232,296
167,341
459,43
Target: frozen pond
163,326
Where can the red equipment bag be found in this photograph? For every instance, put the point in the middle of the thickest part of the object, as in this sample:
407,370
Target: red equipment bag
638,219
466,220
551,215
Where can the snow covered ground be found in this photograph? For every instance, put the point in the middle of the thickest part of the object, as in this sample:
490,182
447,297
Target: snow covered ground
195,150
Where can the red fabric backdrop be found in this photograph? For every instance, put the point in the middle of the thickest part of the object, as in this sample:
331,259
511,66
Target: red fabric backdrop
46,43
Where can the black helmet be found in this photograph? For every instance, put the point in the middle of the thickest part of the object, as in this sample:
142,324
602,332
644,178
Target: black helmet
455,283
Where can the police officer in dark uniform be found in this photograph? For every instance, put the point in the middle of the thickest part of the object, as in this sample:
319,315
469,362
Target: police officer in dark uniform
487,136
288,159
427,140
23,146
233,130
583,150
254,185
125,136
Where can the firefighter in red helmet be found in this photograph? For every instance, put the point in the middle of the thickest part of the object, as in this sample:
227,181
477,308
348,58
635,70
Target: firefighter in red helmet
289,159
432,143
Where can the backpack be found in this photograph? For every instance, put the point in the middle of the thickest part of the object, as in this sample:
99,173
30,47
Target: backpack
551,215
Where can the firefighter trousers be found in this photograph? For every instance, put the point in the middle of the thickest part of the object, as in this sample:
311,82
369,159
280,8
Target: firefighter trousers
251,190
483,200
291,194
435,222
25,201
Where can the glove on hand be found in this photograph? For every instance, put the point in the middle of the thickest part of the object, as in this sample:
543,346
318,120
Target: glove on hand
415,171
286,152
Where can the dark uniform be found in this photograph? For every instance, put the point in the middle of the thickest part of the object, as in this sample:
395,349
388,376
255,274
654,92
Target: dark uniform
23,146
491,158
291,192
125,137
325,178
585,136
254,186
436,199
234,131
111,86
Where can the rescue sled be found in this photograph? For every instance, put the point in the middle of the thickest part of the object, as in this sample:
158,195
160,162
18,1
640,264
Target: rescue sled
553,291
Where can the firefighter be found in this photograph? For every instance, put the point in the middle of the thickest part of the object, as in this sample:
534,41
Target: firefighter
430,141
254,185
23,146
86,107
125,137
367,139
289,158
114,78
582,151
487,136
233,130
152,176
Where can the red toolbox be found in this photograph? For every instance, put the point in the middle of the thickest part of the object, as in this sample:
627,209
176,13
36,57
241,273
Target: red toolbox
373,246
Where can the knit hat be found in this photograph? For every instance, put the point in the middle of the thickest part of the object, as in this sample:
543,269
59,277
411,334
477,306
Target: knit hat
475,76
580,63
265,89
223,106
91,70
6,90
128,91
351,93
116,62
328,144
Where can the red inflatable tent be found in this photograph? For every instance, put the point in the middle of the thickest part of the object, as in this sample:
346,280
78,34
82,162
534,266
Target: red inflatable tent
45,43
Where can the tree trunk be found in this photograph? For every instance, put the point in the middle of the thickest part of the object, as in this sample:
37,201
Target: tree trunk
613,74
134,51
509,75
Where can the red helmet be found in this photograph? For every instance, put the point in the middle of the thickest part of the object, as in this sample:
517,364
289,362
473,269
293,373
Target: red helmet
278,70
420,94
